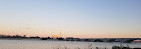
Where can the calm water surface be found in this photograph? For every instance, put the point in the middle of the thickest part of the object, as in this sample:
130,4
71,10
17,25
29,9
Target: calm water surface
40,44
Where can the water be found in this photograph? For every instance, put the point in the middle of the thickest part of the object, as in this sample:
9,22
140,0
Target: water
40,44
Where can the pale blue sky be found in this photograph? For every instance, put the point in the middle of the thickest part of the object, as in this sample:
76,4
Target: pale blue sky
86,18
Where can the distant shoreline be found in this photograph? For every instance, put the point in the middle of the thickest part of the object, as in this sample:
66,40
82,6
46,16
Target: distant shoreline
17,39
125,40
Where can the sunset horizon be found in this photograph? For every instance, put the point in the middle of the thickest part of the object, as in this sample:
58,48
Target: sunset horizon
70,24
73,18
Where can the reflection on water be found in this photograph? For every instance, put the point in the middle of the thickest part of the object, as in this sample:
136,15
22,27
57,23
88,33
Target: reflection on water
39,44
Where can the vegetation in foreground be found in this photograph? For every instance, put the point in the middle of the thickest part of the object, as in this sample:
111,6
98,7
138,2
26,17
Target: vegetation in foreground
91,47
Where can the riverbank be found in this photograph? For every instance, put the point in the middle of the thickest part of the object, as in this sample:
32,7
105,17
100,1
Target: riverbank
123,40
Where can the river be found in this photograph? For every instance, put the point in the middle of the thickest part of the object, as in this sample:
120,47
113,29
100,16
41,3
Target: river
44,44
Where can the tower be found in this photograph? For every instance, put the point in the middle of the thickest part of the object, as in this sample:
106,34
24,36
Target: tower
60,34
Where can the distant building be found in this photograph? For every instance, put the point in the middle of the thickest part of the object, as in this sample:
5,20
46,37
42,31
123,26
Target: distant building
69,39
136,40
60,38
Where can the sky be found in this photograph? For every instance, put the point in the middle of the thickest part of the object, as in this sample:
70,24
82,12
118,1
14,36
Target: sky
73,18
